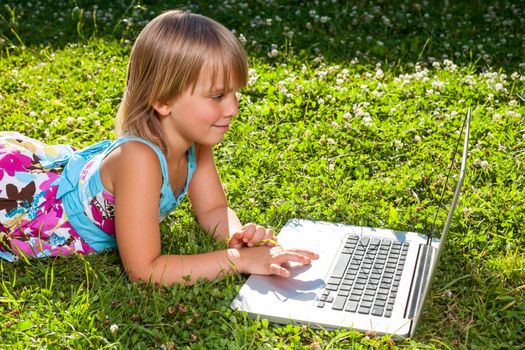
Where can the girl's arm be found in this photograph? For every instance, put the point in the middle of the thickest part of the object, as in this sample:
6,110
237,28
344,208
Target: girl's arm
135,178
208,200
212,210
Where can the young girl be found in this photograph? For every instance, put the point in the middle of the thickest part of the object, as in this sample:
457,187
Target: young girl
180,99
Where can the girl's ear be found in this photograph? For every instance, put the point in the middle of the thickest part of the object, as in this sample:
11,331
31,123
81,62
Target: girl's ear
162,108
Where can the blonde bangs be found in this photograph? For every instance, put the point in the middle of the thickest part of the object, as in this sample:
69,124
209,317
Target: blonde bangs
229,65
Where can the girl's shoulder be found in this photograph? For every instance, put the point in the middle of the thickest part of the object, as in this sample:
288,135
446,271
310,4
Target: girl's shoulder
136,160
133,154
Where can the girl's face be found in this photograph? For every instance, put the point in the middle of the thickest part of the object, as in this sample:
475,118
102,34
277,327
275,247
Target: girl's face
202,115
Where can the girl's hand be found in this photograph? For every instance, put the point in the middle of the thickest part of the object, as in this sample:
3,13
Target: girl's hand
252,235
264,260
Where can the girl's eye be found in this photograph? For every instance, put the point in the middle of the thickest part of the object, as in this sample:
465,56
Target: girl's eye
217,97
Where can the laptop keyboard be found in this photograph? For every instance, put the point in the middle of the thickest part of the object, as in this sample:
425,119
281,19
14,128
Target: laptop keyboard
366,278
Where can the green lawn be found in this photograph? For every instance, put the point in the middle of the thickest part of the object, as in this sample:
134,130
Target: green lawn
351,115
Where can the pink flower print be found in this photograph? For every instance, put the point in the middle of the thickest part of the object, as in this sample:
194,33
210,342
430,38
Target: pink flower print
14,161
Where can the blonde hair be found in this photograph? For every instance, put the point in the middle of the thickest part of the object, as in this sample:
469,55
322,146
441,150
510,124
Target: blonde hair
166,60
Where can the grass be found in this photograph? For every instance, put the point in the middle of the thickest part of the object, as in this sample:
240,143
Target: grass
351,116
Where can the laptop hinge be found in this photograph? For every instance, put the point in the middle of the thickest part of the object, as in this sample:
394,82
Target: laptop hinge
419,279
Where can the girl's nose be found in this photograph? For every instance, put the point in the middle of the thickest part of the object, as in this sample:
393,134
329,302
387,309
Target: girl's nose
233,106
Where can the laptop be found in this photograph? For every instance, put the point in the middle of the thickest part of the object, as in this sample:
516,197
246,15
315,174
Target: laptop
367,279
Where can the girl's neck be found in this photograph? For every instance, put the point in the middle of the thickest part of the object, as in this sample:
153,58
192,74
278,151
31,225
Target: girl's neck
176,150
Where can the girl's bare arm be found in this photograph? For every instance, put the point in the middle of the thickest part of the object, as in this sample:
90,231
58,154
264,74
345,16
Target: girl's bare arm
208,200
136,180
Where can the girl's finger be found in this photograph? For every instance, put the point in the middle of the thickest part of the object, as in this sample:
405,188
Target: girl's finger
279,270
268,234
287,256
259,235
249,231
307,253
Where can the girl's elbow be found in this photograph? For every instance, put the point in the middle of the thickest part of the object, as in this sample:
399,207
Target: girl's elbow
150,273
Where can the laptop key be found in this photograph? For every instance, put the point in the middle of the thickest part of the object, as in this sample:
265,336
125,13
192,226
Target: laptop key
375,241
343,293
364,310
379,303
351,306
377,311
367,297
334,280
330,286
364,241
355,297
339,302
340,267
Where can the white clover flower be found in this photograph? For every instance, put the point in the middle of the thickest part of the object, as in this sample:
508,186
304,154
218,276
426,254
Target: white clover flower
320,101
324,19
496,117
113,328
321,74
307,134
347,115
273,53
437,84
242,39
308,25
398,144
367,121
268,21
417,138
379,74
32,114
499,87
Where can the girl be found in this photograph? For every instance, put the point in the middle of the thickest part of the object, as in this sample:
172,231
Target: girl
180,98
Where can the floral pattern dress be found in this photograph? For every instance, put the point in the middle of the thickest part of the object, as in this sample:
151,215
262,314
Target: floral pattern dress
32,220
53,202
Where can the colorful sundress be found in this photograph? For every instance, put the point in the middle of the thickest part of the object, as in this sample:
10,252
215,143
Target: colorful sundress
53,202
